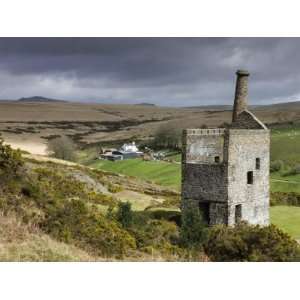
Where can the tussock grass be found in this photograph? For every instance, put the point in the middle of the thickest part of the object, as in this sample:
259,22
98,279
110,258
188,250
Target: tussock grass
21,242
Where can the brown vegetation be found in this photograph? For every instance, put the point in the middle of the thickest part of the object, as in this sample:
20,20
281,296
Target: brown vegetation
31,125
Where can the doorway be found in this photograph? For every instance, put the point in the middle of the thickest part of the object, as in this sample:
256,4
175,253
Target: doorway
238,213
204,211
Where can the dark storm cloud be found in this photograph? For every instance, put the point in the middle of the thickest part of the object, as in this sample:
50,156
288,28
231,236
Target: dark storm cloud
165,71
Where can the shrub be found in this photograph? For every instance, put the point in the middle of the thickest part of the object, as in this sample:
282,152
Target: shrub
159,235
193,230
292,171
283,198
296,169
124,214
155,235
62,148
10,161
167,215
30,190
276,165
250,243
63,208
75,222
114,188
103,199
61,186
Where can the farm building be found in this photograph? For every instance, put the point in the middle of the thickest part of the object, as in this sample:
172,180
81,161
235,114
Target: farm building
127,151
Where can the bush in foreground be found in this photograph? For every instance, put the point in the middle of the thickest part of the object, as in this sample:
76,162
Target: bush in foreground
10,161
250,243
74,222
124,214
193,230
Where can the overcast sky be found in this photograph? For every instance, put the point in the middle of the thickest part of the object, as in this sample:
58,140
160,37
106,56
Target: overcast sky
164,71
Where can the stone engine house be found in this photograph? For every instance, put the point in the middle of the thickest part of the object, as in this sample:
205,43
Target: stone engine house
225,171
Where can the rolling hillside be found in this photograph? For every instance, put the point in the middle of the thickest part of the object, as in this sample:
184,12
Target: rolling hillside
29,125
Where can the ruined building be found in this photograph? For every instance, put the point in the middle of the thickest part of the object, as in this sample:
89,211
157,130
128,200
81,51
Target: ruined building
225,171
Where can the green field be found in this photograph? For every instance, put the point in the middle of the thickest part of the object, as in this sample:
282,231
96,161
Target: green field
285,144
287,218
164,173
279,183
168,174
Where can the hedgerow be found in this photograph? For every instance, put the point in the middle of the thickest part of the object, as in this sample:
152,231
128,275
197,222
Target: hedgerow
285,198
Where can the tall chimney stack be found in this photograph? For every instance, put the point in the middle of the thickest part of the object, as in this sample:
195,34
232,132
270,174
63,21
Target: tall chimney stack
241,93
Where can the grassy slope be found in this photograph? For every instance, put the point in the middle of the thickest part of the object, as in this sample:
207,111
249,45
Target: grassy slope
20,242
167,174
285,145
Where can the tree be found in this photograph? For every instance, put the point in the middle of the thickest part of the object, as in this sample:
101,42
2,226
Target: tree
168,136
124,214
62,148
193,230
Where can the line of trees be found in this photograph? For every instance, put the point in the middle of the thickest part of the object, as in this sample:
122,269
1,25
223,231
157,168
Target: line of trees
168,136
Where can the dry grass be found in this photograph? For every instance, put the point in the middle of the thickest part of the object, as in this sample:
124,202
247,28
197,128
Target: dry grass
20,242
42,158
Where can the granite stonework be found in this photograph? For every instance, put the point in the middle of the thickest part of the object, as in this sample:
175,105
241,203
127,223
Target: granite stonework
225,172
241,93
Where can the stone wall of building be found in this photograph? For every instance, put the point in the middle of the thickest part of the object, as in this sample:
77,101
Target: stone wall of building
248,151
224,185
218,213
241,93
204,182
203,145
204,179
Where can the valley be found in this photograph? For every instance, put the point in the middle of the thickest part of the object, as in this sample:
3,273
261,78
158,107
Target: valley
151,187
